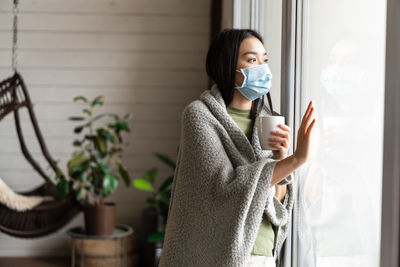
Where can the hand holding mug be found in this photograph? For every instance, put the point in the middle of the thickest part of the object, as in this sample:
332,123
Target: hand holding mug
281,141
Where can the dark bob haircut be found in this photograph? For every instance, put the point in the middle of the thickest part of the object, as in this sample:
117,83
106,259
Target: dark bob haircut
222,60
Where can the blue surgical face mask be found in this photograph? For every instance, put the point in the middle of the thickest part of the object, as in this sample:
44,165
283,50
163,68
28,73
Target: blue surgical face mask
257,81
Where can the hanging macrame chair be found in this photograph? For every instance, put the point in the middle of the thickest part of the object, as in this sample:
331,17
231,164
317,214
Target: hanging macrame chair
48,216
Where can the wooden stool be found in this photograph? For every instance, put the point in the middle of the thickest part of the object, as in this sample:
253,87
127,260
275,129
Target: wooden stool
116,250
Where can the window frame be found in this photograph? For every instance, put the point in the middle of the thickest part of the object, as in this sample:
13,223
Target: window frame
390,219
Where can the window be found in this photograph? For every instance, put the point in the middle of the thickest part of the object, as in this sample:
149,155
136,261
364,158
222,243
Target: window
343,73
333,52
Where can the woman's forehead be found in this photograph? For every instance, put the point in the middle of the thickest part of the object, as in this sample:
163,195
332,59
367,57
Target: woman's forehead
251,46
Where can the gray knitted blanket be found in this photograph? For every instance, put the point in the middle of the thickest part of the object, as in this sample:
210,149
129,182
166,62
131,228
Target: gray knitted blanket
221,190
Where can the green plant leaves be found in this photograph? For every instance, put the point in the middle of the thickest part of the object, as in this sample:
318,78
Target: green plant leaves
81,193
105,134
77,118
76,162
77,143
164,196
88,111
98,101
82,177
156,237
84,99
167,184
161,199
99,116
128,116
91,170
164,193
100,144
110,183
152,202
124,174
151,175
143,185
167,160
78,129
121,126
62,188
104,168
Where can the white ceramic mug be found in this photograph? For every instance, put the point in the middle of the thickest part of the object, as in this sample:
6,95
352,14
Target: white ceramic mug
266,124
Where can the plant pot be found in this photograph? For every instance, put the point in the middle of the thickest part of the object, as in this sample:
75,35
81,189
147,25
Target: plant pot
151,222
100,220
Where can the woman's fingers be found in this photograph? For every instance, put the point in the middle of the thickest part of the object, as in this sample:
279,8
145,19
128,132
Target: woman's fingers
308,121
278,146
283,141
308,109
303,122
284,127
307,116
310,127
281,133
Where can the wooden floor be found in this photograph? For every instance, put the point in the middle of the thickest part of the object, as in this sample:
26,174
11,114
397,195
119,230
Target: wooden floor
34,262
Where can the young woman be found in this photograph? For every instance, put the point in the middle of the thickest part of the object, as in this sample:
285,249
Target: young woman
231,201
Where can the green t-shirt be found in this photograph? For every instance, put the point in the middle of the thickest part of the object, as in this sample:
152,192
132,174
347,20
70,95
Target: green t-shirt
266,236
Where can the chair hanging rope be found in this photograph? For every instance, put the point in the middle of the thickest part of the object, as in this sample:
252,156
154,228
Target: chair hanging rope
15,36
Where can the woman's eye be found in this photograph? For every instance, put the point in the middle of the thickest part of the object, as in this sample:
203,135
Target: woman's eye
254,59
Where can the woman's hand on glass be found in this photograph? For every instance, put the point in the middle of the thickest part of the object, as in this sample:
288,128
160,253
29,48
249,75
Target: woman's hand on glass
303,135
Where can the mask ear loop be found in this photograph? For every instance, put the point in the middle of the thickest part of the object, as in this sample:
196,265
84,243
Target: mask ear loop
270,103
243,80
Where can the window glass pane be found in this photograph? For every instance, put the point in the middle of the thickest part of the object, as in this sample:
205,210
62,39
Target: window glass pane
244,14
271,20
340,186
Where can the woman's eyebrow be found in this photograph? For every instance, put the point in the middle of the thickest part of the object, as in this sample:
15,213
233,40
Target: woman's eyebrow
252,52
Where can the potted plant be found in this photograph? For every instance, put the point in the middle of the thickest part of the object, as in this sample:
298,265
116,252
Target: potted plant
96,167
155,216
